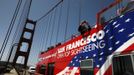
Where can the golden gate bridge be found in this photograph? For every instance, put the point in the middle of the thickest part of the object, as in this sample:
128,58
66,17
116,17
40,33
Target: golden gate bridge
27,28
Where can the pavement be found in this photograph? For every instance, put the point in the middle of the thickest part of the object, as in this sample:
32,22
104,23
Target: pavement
13,72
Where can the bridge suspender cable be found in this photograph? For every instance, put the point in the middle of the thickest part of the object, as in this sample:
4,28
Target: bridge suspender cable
53,23
66,26
47,32
19,27
59,19
80,6
10,29
49,11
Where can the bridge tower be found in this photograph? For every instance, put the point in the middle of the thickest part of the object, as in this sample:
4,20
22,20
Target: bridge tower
28,41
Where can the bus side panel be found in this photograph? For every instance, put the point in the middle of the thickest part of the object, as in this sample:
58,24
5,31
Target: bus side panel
59,66
109,71
129,49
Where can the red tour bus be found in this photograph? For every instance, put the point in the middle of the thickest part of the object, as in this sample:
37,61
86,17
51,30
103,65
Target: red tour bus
104,50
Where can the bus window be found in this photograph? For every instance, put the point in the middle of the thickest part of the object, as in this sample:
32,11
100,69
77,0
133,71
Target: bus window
42,70
86,67
51,69
122,65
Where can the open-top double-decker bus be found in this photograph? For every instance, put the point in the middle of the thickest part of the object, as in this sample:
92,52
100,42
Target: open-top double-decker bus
107,49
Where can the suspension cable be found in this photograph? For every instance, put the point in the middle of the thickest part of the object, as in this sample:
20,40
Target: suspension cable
49,11
47,33
10,28
65,35
53,26
80,8
50,24
15,35
42,36
59,19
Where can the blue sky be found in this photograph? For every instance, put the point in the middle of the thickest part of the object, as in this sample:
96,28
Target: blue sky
45,37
